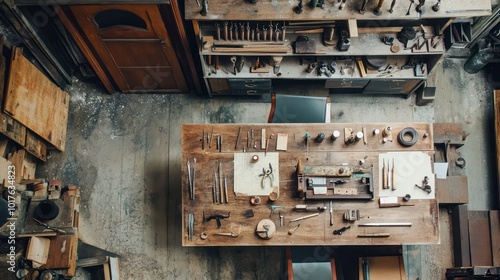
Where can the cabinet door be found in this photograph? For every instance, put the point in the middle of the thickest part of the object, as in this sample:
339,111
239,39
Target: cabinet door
133,45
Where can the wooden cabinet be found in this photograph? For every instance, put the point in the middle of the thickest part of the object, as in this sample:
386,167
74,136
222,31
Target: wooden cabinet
132,47
346,50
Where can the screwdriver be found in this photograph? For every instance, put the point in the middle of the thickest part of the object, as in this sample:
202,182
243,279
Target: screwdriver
393,176
384,176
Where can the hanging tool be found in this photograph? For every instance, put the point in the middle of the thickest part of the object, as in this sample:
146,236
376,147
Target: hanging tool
436,6
231,32
409,8
225,24
236,34
304,217
57,230
419,7
248,139
378,9
300,8
341,230
281,218
204,8
233,61
217,27
331,213
303,207
248,31
342,4
242,31
392,6
389,174
216,217
363,7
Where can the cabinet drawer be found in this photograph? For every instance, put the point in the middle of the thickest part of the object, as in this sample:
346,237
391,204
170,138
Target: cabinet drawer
243,84
346,83
251,91
391,86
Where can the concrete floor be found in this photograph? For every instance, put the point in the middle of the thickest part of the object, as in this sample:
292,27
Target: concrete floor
123,151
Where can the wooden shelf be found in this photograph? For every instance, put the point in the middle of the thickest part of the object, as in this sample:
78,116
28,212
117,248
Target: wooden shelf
291,69
284,10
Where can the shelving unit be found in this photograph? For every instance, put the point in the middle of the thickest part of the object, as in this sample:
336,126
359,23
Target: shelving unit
406,64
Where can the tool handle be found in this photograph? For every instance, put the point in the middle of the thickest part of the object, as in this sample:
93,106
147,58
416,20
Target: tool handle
363,7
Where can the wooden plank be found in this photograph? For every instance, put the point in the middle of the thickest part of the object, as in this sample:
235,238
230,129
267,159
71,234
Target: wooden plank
495,236
496,101
38,249
452,190
33,100
460,224
352,25
36,146
12,129
314,231
479,238
24,164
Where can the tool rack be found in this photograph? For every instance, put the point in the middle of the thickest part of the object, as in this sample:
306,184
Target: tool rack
366,32
243,214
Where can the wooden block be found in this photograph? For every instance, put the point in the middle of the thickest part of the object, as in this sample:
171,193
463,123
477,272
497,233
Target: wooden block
12,129
24,163
353,28
361,67
62,253
461,251
479,238
4,165
38,249
33,100
452,190
36,146
282,142
495,236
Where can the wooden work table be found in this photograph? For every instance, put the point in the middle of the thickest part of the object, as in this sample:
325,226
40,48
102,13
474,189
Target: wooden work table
314,231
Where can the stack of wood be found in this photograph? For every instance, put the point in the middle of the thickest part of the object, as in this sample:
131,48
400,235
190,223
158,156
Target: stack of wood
34,114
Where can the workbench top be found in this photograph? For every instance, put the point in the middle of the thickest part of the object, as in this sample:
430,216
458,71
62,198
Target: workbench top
313,231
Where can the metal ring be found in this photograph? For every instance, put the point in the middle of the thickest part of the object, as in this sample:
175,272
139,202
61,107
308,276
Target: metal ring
412,132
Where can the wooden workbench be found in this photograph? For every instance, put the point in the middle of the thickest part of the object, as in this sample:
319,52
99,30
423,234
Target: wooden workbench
313,231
